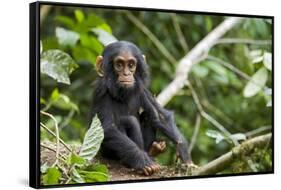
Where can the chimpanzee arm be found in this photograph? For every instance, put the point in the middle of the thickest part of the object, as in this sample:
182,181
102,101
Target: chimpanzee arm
116,141
163,120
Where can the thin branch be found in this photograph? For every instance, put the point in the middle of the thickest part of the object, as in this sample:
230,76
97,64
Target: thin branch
53,134
57,134
225,160
193,57
51,149
258,130
235,70
152,37
195,133
210,118
243,41
179,32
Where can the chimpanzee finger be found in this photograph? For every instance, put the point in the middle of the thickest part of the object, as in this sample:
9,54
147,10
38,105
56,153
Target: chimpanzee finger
149,169
145,171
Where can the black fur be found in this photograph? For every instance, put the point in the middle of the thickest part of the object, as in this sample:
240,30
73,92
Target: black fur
129,133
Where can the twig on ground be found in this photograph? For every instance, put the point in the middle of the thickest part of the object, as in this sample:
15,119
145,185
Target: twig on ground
53,134
57,134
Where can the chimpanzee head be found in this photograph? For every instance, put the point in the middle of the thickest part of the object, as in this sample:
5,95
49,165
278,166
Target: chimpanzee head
122,65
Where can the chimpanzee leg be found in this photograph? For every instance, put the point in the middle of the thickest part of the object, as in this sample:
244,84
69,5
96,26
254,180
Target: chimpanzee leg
148,132
133,130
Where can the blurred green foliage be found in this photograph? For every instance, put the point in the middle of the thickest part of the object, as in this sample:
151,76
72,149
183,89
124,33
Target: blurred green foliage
239,102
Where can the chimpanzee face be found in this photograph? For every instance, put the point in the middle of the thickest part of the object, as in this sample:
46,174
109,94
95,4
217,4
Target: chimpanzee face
125,65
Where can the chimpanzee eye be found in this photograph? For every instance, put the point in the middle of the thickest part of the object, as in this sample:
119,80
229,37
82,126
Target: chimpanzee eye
132,65
118,65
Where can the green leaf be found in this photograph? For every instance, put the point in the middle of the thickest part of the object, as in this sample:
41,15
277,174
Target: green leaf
200,71
256,83
105,27
94,20
66,37
76,176
58,65
219,136
267,60
81,53
62,101
66,21
52,176
104,37
94,176
215,134
92,140
41,47
97,167
44,168
79,15
238,136
77,160
92,43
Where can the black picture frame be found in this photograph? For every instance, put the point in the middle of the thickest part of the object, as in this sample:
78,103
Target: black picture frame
34,90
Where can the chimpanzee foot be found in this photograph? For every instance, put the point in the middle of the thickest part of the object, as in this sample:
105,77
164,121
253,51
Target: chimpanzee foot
151,169
157,148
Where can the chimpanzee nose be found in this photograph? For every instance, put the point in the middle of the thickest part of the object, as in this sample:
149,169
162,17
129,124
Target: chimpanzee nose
127,71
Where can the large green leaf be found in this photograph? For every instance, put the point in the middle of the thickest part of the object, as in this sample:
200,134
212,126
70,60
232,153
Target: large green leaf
104,37
66,21
52,176
219,136
92,43
62,101
79,15
58,65
76,176
94,176
267,60
66,37
256,83
97,167
77,160
92,140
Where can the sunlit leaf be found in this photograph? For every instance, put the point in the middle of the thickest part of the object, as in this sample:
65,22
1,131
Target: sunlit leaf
76,176
62,101
94,176
66,37
269,103
66,21
104,37
267,60
215,134
105,27
52,176
200,71
77,160
92,140
256,83
58,65
238,136
257,59
97,167
92,43
79,15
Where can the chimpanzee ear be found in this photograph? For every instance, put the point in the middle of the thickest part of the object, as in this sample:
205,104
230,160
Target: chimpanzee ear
144,58
99,67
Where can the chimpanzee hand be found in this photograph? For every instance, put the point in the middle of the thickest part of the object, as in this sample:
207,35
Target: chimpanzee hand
151,169
183,155
157,148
